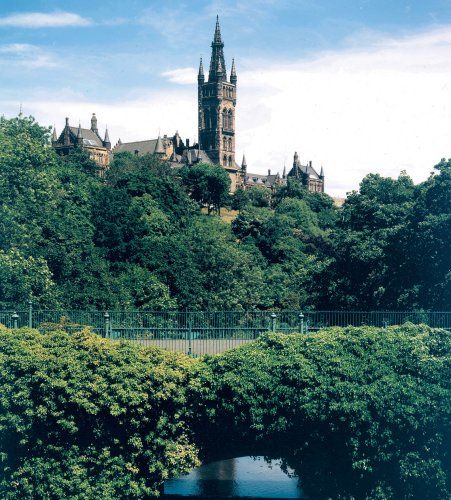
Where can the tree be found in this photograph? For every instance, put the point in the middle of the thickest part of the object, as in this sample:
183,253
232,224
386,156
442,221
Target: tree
22,278
83,417
371,261
356,412
209,185
428,239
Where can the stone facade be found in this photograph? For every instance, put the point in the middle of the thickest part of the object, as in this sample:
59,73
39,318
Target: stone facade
307,175
89,139
216,111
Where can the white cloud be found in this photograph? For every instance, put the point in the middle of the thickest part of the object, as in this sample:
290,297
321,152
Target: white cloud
183,76
57,19
26,55
381,105
381,108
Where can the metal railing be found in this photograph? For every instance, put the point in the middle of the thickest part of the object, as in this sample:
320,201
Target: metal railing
208,332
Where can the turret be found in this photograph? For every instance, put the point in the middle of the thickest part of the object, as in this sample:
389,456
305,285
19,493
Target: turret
94,124
106,141
200,75
233,78
54,136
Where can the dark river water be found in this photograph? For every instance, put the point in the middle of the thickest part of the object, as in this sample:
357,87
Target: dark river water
244,477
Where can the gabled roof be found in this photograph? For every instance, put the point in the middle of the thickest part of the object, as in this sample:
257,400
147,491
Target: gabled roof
90,138
141,147
304,169
262,180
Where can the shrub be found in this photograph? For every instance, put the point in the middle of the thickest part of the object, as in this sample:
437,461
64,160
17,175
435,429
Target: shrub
84,417
357,412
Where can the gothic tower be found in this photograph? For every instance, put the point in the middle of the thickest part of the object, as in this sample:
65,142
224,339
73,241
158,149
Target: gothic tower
216,104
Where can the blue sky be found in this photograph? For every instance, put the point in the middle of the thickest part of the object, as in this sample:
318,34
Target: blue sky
355,85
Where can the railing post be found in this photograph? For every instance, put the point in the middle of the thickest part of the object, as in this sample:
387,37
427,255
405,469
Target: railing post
301,323
273,321
30,314
15,318
107,324
190,337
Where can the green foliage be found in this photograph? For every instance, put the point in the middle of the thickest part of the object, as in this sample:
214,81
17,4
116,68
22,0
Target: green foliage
93,242
22,278
357,412
209,185
256,196
82,417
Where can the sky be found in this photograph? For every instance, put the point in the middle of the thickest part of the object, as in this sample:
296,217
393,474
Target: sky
355,86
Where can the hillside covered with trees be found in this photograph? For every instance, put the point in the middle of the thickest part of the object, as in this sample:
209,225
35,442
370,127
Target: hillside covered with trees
140,238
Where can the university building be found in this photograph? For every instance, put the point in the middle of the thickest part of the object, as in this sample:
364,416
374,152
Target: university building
216,99
72,137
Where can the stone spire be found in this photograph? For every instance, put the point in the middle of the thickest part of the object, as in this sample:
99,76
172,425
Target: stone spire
217,71
233,73
321,174
244,170
243,163
94,123
159,149
54,136
200,75
284,173
217,36
106,141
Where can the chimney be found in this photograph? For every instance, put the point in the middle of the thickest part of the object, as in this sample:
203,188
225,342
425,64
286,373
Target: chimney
269,171
187,143
310,164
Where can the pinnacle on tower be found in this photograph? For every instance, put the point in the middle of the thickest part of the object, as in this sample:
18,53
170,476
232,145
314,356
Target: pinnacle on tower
200,75
217,36
321,174
233,73
243,163
106,141
217,71
54,136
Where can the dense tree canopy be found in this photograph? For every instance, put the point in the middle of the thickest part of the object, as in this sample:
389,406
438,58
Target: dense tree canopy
146,236
356,412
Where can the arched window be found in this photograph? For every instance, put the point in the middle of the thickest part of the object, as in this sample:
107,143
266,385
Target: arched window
224,143
224,118
230,119
207,119
230,144
224,161
230,161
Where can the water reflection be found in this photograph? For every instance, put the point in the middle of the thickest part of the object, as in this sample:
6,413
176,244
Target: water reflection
249,477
